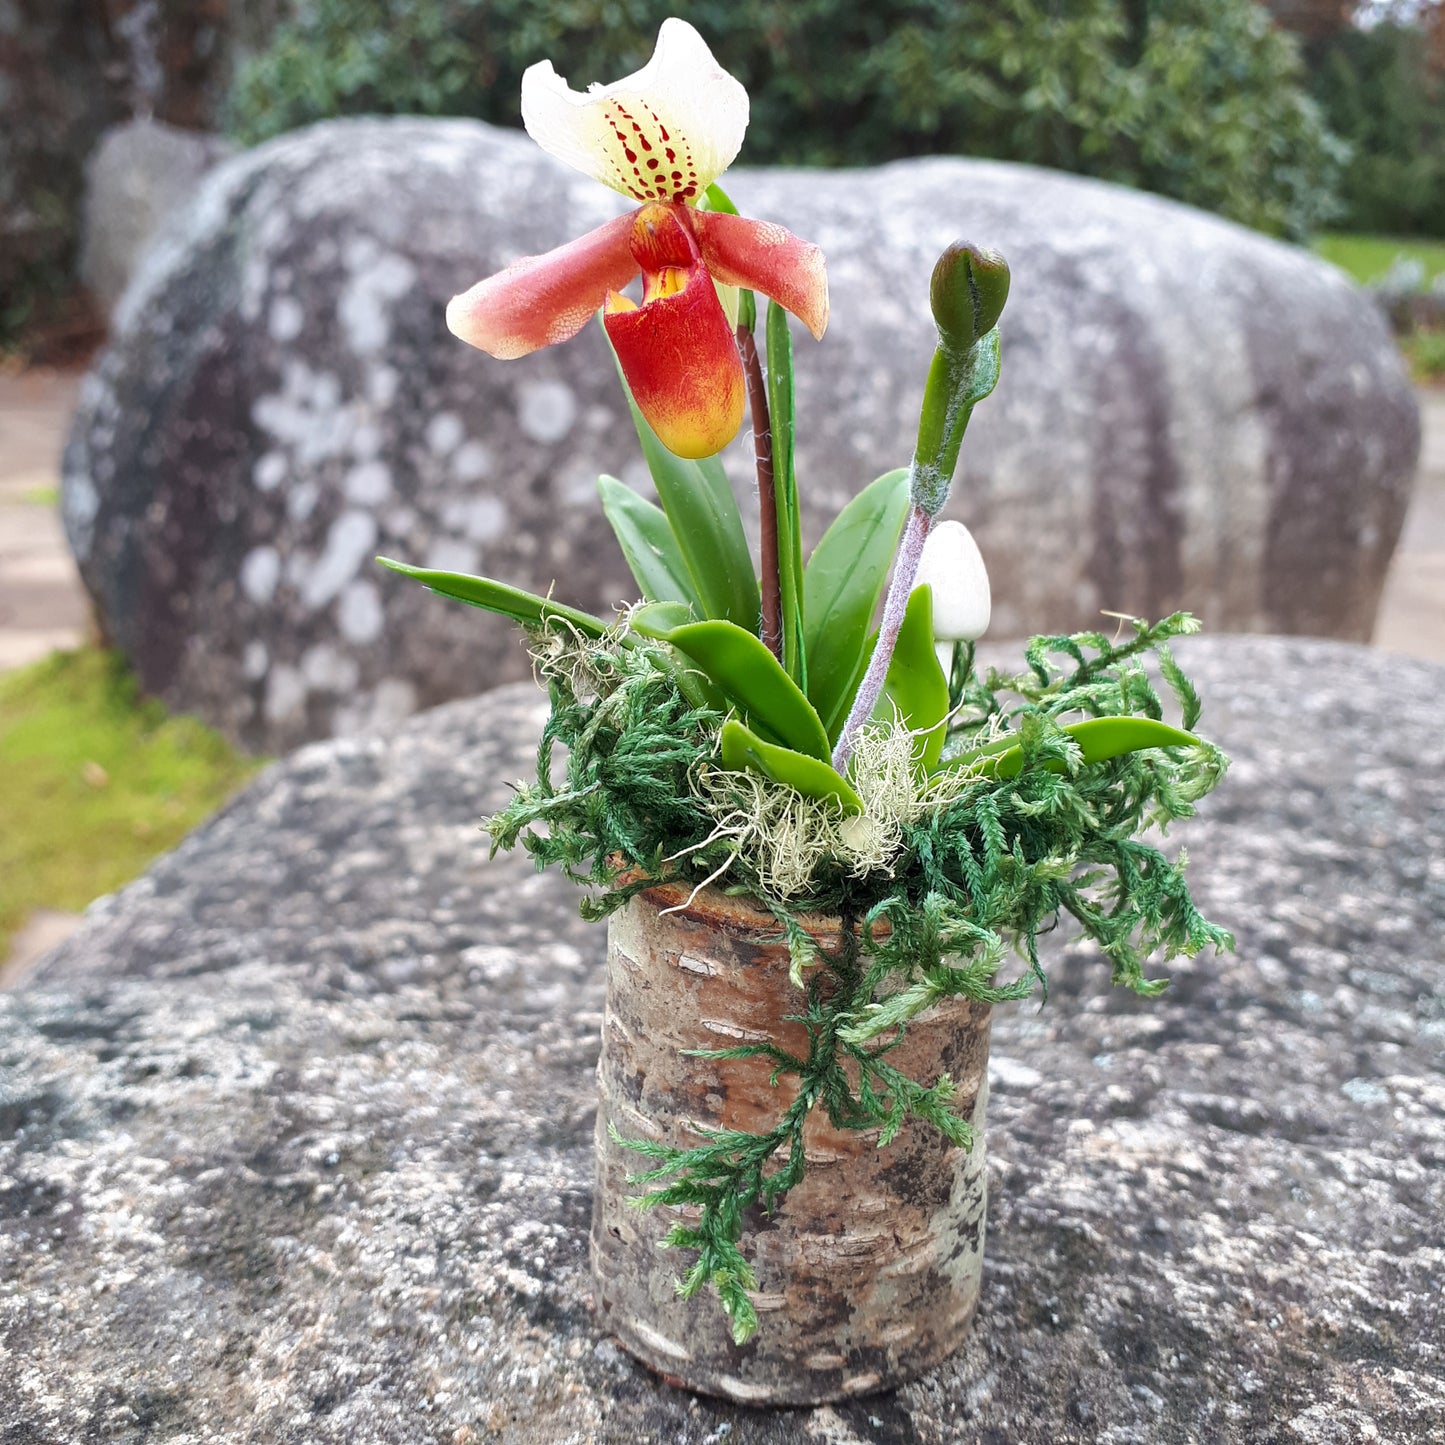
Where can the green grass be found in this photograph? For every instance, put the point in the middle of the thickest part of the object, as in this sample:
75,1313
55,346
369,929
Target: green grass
1368,258
1425,351
95,781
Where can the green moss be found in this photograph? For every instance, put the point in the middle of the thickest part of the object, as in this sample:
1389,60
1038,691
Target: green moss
95,782
1368,258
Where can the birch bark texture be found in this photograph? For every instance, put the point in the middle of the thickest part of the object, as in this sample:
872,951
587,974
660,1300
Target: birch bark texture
869,1269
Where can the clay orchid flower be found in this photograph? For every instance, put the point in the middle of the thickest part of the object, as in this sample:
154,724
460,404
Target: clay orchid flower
660,136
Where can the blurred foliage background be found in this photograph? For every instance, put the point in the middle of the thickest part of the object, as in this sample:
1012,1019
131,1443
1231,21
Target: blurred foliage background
1202,100
1292,116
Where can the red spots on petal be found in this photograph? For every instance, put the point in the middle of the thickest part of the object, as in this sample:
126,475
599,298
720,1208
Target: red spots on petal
639,135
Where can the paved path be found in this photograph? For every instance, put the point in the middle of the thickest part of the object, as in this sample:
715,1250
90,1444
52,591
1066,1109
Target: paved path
42,605
1412,611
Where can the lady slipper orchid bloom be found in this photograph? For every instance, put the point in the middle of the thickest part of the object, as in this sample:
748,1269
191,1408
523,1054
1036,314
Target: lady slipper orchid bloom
662,137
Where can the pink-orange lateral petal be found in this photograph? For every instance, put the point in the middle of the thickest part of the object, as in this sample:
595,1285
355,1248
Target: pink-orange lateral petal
681,360
541,300
767,258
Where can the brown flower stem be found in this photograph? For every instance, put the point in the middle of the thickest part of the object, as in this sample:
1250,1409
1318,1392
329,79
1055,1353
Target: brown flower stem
772,590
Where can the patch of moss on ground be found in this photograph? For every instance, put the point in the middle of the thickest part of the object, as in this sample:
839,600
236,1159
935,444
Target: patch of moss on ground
95,782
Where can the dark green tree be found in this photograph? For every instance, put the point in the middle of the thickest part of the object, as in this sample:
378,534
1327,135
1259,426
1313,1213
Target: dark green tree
1203,100
1381,92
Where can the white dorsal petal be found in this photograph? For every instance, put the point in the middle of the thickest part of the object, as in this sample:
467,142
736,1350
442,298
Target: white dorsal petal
953,566
665,133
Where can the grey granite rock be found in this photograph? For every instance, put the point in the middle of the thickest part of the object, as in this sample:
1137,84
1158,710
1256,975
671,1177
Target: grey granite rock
140,173
295,1136
1189,413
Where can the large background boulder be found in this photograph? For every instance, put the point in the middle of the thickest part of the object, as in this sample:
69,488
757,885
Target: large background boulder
1190,416
296,1134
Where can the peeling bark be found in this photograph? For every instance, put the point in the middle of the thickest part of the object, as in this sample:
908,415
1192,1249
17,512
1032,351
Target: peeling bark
869,1270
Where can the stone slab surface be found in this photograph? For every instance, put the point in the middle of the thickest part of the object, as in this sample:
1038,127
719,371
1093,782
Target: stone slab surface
295,1135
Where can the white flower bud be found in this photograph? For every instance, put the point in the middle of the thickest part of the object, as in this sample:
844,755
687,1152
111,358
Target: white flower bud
953,566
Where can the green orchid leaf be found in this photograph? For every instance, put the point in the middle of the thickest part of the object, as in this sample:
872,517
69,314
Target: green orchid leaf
743,748
781,410
916,686
525,607
717,199
1099,739
647,542
750,677
706,525
659,617
842,586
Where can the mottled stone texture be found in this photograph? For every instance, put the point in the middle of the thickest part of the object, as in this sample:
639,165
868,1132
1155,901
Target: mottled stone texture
138,175
296,1135
1188,414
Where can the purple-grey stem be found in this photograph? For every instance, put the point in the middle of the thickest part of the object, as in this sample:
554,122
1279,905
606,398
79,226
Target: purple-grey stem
771,629
895,605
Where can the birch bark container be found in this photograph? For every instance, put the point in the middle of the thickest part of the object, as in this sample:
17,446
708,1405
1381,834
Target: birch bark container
868,1271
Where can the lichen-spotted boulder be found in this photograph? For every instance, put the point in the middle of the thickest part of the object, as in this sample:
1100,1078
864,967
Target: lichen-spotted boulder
1190,416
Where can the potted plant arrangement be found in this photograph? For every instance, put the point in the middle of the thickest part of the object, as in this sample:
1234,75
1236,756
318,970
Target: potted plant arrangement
819,832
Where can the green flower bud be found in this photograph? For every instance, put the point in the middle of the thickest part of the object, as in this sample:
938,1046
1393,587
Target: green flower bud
967,293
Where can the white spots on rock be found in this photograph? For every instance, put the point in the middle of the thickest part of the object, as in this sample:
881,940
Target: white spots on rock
546,410
326,669
298,565
637,476
444,433
482,519
350,541
1012,1074
401,521
286,319
578,488
269,471
255,660
1365,1092
472,462
366,441
375,279
394,701
368,483
451,554
80,502
95,395
260,572
381,385
285,694
359,614
306,415
301,500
